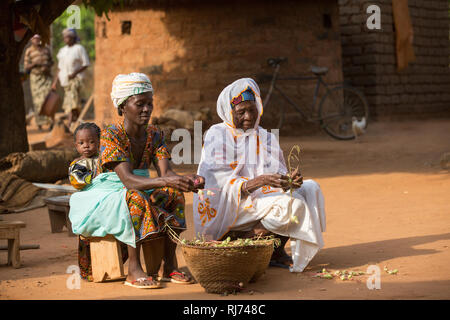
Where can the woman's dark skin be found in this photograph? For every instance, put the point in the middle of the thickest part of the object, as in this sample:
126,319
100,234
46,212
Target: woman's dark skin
136,111
245,115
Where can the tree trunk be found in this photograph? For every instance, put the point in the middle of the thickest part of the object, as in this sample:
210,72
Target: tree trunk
13,133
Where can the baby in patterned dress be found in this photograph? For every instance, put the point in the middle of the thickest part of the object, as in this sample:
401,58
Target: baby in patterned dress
83,169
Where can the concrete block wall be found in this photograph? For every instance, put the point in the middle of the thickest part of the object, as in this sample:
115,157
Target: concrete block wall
369,58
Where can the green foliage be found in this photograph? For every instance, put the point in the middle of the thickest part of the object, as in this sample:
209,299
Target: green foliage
86,33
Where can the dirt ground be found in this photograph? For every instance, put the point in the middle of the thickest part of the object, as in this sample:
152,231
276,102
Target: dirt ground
387,204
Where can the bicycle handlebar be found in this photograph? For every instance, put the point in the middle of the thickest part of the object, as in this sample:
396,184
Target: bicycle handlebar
273,62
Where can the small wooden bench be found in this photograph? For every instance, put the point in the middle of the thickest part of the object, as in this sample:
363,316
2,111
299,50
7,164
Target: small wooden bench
106,257
10,230
58,212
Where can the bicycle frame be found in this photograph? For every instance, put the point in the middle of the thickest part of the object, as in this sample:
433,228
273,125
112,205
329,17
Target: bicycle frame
335,110
312,110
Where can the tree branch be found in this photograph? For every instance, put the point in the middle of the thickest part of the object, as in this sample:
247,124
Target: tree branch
51,10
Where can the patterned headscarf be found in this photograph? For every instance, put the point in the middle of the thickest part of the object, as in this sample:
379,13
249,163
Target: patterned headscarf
127,85
246,95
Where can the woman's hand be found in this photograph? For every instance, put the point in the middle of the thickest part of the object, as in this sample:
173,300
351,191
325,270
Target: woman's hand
274,180
182,183
199,182
296,180
30,67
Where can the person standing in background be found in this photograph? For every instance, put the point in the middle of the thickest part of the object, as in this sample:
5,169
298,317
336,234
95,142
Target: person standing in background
37,62
73,60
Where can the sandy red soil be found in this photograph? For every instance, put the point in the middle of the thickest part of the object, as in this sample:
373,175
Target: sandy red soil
387,204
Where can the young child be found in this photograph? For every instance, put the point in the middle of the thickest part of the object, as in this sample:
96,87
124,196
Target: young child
81,172
83,169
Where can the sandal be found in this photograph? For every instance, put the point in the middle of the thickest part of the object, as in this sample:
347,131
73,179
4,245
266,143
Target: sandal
184,276
140,283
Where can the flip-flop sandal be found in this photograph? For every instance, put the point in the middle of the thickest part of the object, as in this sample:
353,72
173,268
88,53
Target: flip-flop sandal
138,283
182,274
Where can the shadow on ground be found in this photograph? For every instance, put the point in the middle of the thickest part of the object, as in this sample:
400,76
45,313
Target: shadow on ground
346,257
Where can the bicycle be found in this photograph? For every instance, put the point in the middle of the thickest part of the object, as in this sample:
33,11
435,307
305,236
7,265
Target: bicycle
339,107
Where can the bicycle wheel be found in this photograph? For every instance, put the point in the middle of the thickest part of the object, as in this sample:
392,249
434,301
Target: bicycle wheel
338,107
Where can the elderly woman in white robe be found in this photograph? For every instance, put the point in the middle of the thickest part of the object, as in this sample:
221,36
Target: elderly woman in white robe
248,185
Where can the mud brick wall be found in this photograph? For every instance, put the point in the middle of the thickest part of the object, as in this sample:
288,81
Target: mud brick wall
369,58
192,49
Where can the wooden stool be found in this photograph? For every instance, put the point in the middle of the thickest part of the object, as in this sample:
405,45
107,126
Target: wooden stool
106,258
58,212
11,230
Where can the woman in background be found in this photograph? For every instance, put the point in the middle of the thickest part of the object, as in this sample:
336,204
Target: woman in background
38,61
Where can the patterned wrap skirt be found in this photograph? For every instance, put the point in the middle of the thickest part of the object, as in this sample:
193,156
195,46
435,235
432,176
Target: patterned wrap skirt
72,98
40,85
149,211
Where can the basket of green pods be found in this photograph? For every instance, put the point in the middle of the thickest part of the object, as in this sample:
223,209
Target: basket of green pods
226,266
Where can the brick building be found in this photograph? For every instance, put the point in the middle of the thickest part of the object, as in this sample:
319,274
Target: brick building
369,58
192,49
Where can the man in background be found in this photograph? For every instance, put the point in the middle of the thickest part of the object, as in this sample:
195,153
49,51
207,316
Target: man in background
37,62
72,62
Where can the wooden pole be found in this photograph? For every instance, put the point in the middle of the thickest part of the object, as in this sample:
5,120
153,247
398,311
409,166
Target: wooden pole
82,114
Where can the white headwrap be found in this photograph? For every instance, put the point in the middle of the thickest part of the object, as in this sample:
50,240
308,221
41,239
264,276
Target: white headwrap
233,90
127,85
230,157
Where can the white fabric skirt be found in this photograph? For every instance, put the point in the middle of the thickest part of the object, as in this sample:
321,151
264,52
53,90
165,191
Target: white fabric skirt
275,210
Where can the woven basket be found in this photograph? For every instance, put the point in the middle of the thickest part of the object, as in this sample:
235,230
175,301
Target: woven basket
223,269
